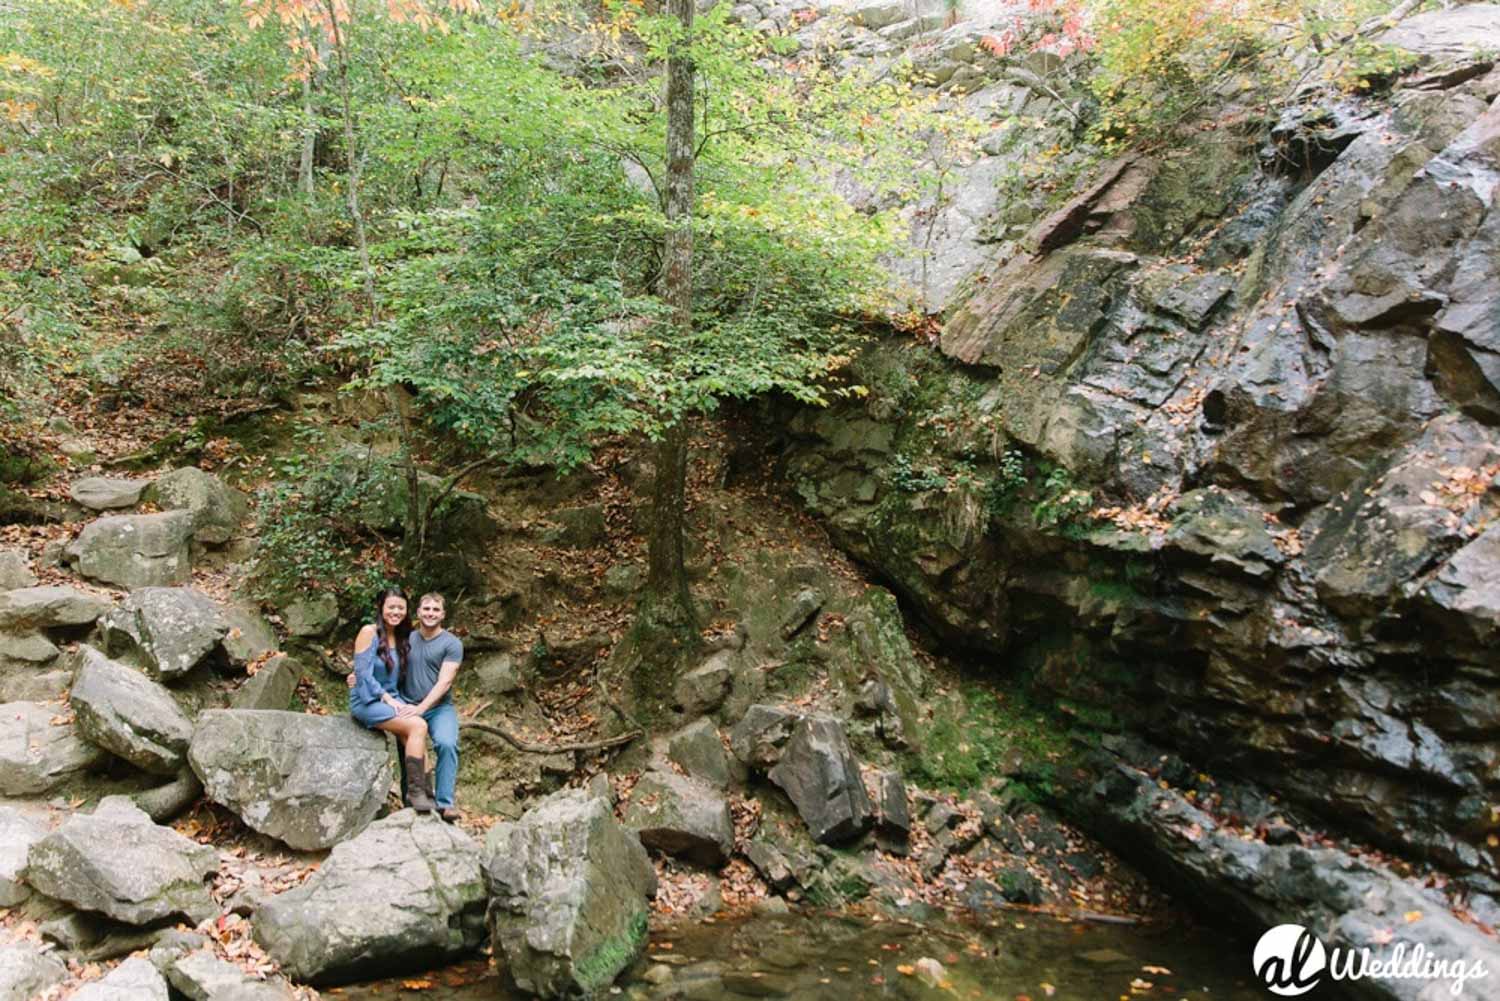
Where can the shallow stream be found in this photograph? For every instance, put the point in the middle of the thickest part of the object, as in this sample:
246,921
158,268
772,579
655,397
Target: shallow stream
837,958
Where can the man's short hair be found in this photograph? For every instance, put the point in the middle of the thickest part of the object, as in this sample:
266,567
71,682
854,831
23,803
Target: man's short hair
432,596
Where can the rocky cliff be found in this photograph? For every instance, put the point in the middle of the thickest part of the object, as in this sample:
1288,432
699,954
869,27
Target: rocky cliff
1215,449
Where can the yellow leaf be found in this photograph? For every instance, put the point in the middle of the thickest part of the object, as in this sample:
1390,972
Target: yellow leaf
906,969
1412,916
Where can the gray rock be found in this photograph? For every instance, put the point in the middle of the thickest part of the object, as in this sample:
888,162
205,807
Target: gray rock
681,816
249,637
877,14
15,570
406,894
135,550
497,674
172,945
699,750
27,683
27,972
107,493
310,781
704,689
1454,33
1468,586
18,833
133,980
31,608
217,510
168,630
311,617
271,686
35,755
202,976
801,610
892,816
568,896
27,650
127,713
117,862
758,739
820,774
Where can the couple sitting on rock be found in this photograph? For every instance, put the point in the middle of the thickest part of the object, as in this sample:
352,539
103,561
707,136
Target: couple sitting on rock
401,685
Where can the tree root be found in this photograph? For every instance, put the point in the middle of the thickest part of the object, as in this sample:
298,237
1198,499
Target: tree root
533,748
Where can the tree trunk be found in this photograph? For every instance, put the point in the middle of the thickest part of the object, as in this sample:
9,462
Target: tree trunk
415,529
310,122
666,579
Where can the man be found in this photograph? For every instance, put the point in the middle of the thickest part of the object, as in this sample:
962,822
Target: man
426,684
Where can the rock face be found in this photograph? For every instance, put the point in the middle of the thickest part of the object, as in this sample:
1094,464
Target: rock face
568,896
117,862
106,493
405,895
15,570
682,817
46,607
27,972
270,687
35,755
167,630
202,976
1231,431
135,550
217,510
311,616
127,713
17,834
133,980
310,781
820,774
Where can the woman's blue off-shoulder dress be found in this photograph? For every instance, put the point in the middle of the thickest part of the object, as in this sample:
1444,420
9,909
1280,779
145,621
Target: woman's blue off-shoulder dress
372,679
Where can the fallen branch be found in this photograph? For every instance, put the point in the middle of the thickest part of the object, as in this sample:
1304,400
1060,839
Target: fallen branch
533,748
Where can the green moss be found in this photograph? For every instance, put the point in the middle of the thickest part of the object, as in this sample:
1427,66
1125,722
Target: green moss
600,967
962,750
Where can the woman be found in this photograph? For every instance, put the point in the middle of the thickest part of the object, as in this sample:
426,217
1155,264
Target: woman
380,651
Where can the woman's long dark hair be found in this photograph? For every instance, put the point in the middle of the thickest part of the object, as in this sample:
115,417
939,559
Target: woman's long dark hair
403,631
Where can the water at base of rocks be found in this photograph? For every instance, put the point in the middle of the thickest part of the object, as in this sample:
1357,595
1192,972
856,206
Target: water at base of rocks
838,958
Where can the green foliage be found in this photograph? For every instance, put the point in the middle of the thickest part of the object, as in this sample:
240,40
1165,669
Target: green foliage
1007,484
963,750
309,537
1062,504
907,479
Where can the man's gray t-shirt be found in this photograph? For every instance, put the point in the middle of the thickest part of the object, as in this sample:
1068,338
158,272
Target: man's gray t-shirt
427,656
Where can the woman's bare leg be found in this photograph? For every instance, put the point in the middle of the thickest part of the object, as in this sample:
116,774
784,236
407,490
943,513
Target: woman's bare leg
411,731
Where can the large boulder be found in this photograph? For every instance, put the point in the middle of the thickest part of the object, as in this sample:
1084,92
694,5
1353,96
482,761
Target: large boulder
127,713
133,980
18,833
310,781
135,550
819,772
15,570
699,750
311,617
29,608
107,493
167,630
217,510
406,894
117,862
569,891
40,748
681,816
28,972
250,636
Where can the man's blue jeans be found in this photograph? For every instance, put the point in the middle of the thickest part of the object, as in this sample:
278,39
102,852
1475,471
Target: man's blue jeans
442,727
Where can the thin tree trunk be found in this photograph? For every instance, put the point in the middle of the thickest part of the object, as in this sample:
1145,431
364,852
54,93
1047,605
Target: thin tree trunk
415,529
310,123
666,579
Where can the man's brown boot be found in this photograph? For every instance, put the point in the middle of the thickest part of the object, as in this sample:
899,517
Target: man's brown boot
418,796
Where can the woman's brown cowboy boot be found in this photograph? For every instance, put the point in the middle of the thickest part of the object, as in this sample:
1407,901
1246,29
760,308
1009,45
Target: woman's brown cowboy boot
417,795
